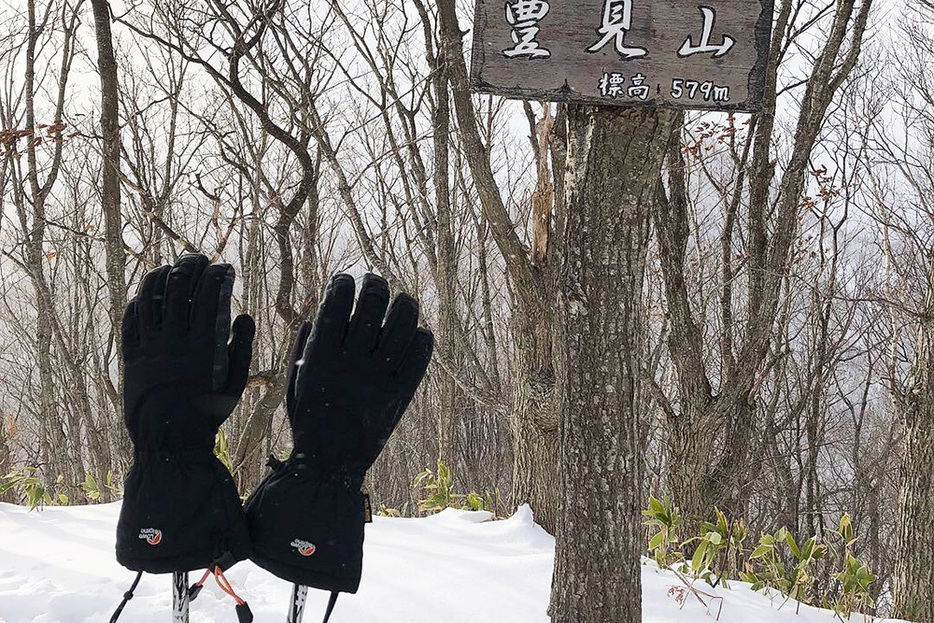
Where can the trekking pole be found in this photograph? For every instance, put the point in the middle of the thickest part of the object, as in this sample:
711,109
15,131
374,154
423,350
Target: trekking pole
180,597
297,606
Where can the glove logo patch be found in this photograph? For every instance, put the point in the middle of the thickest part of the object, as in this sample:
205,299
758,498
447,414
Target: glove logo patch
152,536
304,547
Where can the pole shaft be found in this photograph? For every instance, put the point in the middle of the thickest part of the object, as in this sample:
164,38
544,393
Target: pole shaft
297,606
180,598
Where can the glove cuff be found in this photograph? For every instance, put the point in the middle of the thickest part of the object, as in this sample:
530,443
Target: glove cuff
180,514
305,463
306,526
325,580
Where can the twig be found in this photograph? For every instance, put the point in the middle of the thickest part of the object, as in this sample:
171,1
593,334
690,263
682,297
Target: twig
697,594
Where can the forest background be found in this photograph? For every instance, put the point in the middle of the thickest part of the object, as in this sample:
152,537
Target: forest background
781,369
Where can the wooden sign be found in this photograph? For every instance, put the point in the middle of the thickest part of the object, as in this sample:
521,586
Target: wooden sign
704,54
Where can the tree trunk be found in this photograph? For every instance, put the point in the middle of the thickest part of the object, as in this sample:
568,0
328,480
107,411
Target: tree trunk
534,417
447,273
5,467
614,161
533,405
53,446
110,191
914,540
699,483
248,454
712,430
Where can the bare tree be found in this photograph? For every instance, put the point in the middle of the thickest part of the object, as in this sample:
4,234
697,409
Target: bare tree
902,202
614,163
711,424
110,184
32,188
534,283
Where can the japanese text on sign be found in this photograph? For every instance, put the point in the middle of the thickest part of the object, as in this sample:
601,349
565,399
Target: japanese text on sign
691,54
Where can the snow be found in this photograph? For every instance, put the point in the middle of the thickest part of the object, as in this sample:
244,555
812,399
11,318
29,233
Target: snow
57,565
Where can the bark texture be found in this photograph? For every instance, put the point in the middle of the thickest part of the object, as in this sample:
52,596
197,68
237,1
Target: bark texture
534,417
914,539
110,189
532,274
614,161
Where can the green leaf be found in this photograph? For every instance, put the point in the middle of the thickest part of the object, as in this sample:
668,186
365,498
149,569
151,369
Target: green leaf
434,502
721,520
421,477
445,476
790,540
761,550
846,528
698,559
808,548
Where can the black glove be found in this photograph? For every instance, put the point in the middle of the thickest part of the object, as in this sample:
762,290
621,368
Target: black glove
348,386
181,510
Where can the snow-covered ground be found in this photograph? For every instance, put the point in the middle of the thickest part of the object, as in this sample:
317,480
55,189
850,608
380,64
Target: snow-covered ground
58,565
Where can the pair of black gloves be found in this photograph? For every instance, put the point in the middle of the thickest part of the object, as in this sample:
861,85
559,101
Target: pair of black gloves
350,378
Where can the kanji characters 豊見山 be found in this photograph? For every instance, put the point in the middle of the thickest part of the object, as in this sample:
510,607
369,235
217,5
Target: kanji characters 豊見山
617,21
524,16
688,48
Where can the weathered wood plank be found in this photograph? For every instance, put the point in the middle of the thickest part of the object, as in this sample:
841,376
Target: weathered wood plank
583,51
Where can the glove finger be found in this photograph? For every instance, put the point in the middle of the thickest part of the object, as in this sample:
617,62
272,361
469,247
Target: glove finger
240,354
368,317
210,311
411,372
210,316
179,291
295,361
129,331
398,332
149,300
330,325
415,362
